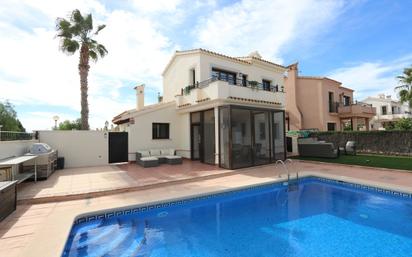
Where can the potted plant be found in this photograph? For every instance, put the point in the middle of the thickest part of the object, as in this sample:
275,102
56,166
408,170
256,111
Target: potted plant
253,84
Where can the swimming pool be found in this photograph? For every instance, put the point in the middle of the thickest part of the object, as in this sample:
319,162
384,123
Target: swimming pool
321,217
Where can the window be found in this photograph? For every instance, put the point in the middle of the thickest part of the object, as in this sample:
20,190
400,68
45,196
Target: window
331,126
244,80
332,105
346,100
228,76
266,84
160,130
384,110
193,76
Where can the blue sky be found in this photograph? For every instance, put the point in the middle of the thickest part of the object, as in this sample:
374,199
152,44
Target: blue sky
363,44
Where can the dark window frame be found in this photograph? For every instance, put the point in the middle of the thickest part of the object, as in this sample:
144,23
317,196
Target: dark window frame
266,84
157,133
332,124
224,75
384,109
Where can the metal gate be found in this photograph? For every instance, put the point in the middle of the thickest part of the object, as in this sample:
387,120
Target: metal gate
118,147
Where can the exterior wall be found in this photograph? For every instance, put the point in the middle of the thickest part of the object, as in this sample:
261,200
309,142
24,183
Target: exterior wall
140,133
15,148
307,101
338,92
78,147
178,75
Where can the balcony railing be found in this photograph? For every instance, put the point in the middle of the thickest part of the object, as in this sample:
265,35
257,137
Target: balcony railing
334,106
239,82
13,135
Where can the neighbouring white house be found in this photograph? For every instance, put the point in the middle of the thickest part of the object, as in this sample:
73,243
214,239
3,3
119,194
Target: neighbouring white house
388,110
215,108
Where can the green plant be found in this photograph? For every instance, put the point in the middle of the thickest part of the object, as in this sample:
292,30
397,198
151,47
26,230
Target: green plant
70,125
8,118
405,87
77,33
404,124
253,84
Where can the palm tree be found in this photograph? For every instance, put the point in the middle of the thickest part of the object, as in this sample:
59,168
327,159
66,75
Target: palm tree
74,33
405,87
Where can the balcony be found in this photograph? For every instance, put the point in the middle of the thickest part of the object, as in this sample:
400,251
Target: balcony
357,109
242,92
393,117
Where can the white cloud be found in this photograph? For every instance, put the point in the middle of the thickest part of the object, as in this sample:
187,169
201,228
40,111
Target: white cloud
372,78
156,6
33,71
267,26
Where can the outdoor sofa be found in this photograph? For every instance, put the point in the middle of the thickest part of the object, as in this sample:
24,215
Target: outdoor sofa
154,157
311,147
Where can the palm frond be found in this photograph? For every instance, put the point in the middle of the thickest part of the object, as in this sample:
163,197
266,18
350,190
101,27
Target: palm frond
99,28
63,28
99,49
93,55
88,23
69,46
102,50
400,87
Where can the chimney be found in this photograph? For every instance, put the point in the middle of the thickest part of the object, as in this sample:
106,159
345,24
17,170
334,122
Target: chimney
139,97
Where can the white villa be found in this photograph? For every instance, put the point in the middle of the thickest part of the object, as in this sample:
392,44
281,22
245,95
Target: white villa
387,110
215,108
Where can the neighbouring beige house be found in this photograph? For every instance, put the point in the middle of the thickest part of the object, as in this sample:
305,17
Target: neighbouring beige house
215,108
388,111
322,104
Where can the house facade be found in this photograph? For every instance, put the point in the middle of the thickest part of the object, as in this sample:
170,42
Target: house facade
323,104
388,111
215,108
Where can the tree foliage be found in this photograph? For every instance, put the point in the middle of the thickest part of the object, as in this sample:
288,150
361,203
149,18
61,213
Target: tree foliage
405,87
70,125
8,118
404,124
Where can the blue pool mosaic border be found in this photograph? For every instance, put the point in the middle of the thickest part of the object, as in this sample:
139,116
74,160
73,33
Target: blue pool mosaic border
116,213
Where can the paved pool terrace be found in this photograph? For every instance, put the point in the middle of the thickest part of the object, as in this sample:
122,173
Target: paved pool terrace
47,209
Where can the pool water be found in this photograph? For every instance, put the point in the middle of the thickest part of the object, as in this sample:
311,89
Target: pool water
320,218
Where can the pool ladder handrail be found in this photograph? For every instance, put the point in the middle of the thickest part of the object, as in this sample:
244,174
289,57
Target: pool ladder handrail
287,170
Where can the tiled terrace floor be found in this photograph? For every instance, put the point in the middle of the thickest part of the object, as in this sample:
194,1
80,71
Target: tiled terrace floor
80,181
31,221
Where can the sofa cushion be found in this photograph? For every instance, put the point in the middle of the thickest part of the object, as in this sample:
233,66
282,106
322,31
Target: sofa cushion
144,153
173,157
169,152
155,152
148,159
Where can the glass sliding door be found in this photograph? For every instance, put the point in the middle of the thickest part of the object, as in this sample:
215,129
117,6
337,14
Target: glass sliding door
208,136
241,138
202,129
224,137
278,128
196,135
261,137
250,136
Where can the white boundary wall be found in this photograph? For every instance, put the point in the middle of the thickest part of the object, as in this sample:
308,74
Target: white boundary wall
15,148
79,148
